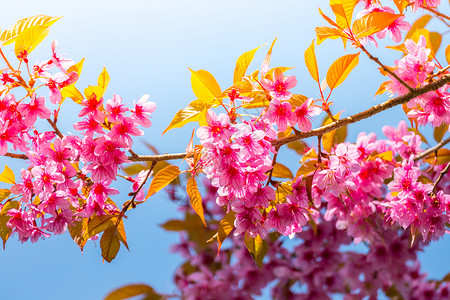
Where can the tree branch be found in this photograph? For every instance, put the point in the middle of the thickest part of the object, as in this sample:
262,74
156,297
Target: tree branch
441,175
437,13
159,157
432,149
386,69
14,155
364,114
55,128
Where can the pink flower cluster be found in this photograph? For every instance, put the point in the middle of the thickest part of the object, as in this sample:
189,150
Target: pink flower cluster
69,176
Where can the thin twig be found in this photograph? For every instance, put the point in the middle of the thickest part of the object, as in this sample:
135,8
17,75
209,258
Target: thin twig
274,161
55,128
432,149
441,175
319,148
386,69
159,157
437,13
364,114
14,155
438,73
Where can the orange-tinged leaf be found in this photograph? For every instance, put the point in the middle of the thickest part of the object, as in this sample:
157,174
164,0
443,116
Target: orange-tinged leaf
29,38
418,24
400,48
387,155
73,93
7,176
343,10
325,32
192,113
340,69
382,89
205,86
76,231
76,67
195,198
447,54
435,40
134,290
226,225
103,80
121,234
259,100
110,244
331,22
439,132
442,157
311,62
98,224
100,88
401,5
257,248
9,36
162,179
373,23
281,171
335,137
306,168
242,64
4,193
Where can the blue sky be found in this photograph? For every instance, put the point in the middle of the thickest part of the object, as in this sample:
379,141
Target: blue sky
147,48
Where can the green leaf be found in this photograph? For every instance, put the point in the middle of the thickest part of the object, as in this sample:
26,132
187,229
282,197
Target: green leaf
9,36
257,248
205,86
110,244
340,69
5,231
242,64
162,179
7,176
195,198
134,290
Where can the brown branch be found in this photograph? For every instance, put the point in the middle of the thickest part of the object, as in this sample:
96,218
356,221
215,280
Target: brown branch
14,155
432,149
386,69
441,175
274,161
55,128
159,157
437,13
364,114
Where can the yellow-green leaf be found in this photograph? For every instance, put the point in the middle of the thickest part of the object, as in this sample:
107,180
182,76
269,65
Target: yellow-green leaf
311,62
418,24
373,23
257,248
439,132
103,80
9,36
98,224
4,193
335,137
5,231
340,69
195,198
192,113
225,227
28,40
281,171
134,290
325,32
242,64
100,88
72,92
162,179
205,86
7,176
110,243
442,157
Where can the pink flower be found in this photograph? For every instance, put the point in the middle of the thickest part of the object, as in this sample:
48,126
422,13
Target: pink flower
281,114
122,131
218,127
34,109
46,177
278,88
142,110
304,114
115,109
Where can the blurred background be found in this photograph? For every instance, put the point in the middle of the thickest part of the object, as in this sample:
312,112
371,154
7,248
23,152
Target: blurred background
147,48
